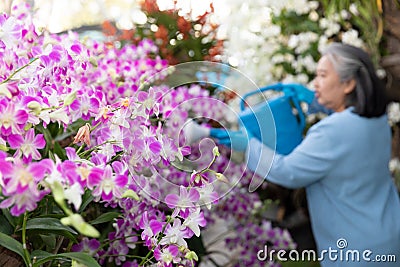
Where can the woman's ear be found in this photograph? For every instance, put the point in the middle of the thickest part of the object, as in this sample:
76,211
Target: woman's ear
350,85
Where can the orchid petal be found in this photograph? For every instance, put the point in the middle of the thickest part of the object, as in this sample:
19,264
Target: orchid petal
194,195
39,141
15,140
6,168
156,226
121,180
21,116
95,177
38,169
172,200
155,147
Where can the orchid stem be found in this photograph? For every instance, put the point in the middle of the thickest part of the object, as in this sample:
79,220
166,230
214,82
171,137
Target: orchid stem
209,165
94,127
18,70
26,252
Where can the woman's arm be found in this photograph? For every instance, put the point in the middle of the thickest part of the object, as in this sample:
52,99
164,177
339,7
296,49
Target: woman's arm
309,162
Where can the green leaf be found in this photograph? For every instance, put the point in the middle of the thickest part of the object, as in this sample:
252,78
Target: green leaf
9,217
364,12
12,244
49,240
78,222
40,254
47,137
59,151
5,226
87,198
63,136
131,194
105,217
51,155
53,215
55,129
81,257
48,224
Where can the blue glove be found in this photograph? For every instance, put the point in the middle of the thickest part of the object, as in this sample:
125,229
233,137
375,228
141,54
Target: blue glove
237,140
219,133
315,107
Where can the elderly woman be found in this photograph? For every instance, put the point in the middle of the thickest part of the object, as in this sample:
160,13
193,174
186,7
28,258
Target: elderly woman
343,164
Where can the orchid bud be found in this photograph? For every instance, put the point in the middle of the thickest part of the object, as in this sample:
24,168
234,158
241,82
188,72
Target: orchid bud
221,177
93,61
58,193
3,148
4,90
131,194
191,255
35,107
27,126
83,135
79,224
70,98
216,151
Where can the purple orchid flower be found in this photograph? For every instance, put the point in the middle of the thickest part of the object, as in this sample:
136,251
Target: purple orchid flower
27,146
187,198
105,184
12,120
151,227
167,256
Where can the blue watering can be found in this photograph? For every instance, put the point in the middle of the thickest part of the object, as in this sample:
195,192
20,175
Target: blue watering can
283,111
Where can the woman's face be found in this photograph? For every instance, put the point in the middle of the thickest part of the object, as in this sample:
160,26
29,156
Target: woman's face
329,90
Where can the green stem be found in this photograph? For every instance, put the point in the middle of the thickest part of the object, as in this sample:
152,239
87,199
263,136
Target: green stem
91,130
209,165
163,229
58,245
94,127
114,158
18,70
96,147
80,148
26,252
70,244
51,108
145,259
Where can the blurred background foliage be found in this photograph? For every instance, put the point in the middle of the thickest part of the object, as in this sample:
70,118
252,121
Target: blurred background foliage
180,37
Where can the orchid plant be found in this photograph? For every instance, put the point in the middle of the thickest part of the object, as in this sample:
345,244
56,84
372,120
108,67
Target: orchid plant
91,162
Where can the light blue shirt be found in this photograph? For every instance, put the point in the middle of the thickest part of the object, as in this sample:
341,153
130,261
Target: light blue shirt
343,164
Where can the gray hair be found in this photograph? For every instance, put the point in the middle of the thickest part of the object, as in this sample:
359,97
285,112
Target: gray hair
351,62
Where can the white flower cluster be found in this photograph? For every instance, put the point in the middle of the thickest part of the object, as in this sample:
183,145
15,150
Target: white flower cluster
301,42
299,6
394,165
393,113
261,57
